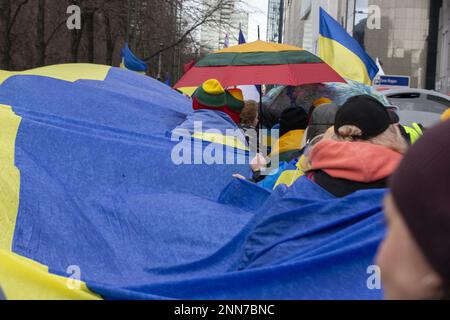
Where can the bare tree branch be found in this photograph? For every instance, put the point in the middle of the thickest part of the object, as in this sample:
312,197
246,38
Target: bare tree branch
15,15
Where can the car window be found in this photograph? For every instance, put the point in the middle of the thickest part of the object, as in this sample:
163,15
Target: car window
407,105
409,95
440,100
418,105
426,119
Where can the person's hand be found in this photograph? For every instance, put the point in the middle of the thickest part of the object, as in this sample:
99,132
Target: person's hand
258,163
238,176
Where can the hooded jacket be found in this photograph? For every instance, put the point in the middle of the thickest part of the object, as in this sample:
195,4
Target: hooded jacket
343,168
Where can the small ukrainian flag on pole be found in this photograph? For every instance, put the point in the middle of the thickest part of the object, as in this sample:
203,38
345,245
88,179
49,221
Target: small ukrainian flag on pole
131,62
343,53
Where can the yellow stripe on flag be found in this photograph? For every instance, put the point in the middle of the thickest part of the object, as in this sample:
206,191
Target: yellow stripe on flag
188,90
289,177
224,140
21,278
67,72
24,279
9,176
345,62
122,66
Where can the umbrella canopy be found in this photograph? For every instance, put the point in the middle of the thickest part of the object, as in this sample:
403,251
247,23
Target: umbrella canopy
282,97
260,62
303,96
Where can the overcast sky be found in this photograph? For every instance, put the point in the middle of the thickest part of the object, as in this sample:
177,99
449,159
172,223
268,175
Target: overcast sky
258,16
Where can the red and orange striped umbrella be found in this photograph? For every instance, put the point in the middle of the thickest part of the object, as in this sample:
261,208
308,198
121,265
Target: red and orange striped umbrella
260,62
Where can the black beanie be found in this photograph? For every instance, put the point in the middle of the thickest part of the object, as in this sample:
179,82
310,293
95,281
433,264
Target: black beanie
421,190
293,119
366,113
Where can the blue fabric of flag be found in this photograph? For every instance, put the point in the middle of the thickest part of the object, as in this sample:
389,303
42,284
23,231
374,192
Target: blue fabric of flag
131,62
241,38
99,190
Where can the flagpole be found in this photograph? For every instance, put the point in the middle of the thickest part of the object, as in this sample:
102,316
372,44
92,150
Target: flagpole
260,125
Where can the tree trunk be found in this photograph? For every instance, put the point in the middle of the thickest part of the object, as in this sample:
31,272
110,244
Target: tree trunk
109,41
90,35
40,31
76,40
5,42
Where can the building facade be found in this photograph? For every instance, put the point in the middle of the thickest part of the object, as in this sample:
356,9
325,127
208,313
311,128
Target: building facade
225,23
274,21
406,41
294,23
401,43
443,56
301,21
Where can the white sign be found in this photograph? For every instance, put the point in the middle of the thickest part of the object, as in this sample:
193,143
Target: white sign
387,81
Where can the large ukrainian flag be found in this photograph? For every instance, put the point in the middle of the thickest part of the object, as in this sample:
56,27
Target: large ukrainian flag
343,53
92,204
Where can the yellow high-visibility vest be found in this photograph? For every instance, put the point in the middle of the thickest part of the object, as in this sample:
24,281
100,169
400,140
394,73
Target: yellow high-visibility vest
414,132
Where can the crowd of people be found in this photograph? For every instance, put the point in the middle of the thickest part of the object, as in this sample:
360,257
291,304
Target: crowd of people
359,146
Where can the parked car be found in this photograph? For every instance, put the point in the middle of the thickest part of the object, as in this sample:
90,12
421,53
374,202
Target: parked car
418,105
